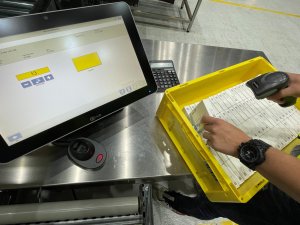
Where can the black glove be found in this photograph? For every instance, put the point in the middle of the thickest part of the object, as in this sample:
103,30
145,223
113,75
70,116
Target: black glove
199,206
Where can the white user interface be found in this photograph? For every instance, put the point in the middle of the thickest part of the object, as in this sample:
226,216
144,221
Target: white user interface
50,76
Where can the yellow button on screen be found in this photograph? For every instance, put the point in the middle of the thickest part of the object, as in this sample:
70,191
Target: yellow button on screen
87,61
33,73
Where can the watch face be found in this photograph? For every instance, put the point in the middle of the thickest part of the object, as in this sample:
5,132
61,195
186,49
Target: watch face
249,154
252,153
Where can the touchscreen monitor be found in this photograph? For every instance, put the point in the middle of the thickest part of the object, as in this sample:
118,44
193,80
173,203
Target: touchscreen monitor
62,70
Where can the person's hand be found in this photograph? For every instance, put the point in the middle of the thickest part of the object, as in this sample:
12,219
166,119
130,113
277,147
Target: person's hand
292,90
223,136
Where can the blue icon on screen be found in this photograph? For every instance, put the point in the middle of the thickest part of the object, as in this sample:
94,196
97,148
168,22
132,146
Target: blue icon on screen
26,84
38,80
49,77
14,137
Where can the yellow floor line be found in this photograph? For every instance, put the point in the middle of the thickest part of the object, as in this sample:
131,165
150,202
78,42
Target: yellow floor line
225,222
256,8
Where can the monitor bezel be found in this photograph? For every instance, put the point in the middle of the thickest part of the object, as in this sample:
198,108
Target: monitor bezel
35,22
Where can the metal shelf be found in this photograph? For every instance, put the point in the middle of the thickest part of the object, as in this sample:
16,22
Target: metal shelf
166,12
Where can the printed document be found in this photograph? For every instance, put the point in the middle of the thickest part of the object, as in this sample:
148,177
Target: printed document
260,119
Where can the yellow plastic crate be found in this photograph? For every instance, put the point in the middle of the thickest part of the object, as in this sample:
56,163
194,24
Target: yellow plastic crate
203,165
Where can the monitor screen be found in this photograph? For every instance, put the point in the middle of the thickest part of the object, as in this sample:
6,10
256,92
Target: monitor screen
56,79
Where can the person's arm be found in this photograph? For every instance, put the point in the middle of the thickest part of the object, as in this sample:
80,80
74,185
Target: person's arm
282,170
279,168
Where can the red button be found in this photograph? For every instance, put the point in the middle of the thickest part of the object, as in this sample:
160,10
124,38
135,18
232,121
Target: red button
99,158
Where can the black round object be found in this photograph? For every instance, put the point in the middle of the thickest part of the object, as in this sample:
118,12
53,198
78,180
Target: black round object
82,149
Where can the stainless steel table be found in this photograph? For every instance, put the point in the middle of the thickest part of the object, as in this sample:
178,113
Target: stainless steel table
137,145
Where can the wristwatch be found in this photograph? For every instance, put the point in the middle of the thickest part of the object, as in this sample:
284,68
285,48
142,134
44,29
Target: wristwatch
252,153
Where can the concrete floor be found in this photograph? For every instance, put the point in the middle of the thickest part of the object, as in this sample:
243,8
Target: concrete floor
269,26
276,32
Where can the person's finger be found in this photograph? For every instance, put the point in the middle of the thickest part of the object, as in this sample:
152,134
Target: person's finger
209,143
208,119
278,101
285,92
206,135
209,128
275,96
281,94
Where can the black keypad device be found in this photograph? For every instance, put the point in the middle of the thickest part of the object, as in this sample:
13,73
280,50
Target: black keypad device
164,74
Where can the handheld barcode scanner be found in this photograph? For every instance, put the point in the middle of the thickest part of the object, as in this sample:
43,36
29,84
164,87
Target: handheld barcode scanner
268,84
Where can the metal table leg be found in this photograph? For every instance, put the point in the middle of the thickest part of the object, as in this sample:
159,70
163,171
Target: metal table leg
191,15
154,15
